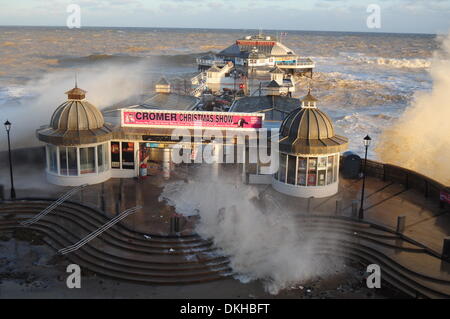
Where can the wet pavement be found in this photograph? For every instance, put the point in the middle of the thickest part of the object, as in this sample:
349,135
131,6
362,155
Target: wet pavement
426,222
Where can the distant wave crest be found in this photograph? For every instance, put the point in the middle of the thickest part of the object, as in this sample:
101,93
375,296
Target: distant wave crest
392,62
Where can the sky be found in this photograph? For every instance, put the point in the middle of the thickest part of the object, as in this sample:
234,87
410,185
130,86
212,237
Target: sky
403,16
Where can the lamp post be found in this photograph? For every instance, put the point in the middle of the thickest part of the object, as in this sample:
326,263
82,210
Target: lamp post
366,141
8,128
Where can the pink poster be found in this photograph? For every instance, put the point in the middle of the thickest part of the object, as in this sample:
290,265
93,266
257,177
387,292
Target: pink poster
145,118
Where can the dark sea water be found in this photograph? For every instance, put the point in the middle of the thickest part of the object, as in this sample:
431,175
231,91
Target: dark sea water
364,80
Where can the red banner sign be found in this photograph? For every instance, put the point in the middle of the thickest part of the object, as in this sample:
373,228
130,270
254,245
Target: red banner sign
156,118
255,43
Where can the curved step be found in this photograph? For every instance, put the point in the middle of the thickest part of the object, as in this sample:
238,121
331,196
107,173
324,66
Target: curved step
129,271
82,228
108,256
415,285
96,219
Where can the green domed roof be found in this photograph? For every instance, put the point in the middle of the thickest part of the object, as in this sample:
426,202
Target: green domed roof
308,130
76,121
307,123
76,115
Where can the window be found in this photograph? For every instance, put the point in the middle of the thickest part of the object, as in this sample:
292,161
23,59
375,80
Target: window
128,155
336,168
312,174
72,161
115,154
63,161
321,171
330,166
102,155
301,175
292,167
322,163
321,177
87,160
52,158
282,169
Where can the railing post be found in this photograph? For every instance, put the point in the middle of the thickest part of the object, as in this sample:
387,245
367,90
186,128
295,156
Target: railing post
401,222
2,193
446,249
174,224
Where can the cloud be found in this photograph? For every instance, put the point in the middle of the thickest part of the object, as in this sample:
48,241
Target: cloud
397,15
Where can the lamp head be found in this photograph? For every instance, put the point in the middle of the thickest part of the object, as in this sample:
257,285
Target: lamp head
7,125
367,140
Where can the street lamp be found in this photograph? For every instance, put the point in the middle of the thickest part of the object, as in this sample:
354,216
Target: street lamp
8,128
366,141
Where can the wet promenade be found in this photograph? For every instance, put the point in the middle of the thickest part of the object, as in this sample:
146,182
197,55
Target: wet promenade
426,222
417,249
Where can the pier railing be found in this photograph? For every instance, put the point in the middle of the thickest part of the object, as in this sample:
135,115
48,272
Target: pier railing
427,186
211,62
299,63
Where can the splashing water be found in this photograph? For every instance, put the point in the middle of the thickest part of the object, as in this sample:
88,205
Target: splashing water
262,240
420,140
106,84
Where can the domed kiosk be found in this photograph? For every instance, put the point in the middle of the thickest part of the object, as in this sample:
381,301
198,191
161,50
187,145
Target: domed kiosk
309,153
77,142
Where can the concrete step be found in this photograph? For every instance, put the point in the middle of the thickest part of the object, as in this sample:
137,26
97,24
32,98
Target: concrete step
97,219
391,271
129,270
107,252
81,227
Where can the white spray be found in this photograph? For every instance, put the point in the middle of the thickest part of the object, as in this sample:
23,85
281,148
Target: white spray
420,140
263,239
106,85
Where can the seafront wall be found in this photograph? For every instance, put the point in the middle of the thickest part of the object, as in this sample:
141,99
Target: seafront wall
411,179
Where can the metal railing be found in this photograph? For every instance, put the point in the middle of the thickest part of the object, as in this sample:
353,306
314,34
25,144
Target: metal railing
53,205
211,62
99,231
197,91
303,63
388,172
199,78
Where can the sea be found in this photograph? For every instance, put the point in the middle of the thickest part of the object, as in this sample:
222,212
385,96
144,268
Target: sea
364,81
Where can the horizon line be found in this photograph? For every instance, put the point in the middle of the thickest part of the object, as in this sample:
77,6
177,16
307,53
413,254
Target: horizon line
219,28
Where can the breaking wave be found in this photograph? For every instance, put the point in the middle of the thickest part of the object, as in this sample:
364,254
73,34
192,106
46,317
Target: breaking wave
391,62
173,60
346,91
420,139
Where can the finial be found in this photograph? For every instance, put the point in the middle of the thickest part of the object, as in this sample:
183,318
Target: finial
76,80
310,85
309,101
